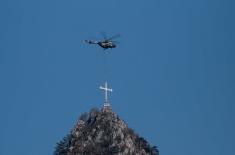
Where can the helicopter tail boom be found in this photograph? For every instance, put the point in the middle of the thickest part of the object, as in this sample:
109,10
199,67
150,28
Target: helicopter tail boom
90,42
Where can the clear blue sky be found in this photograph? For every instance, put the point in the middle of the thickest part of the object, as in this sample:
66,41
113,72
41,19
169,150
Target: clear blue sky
173,72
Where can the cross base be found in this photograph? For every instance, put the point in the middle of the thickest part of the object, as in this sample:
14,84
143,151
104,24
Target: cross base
106,104
106,107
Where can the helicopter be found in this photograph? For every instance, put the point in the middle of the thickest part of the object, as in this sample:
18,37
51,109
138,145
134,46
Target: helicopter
106,43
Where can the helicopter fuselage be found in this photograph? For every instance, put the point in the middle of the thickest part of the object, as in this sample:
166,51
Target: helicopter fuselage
106,44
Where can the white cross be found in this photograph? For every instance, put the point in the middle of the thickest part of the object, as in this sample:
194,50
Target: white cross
106,89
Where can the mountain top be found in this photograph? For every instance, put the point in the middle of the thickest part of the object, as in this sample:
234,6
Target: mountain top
102,132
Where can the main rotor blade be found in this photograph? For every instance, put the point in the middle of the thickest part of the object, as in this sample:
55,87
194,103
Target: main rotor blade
113,37
103,35
116,42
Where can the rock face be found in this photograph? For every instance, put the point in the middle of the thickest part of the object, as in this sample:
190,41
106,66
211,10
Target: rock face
102,132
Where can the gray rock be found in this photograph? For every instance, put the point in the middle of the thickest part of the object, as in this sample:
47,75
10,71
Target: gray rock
103,133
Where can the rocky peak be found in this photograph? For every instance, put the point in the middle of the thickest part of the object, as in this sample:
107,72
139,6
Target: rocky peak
102,132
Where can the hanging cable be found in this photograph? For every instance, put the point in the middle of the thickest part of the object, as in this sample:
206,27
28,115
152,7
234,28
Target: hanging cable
106,70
